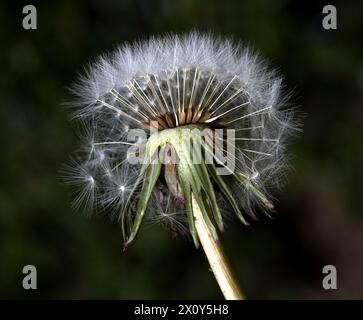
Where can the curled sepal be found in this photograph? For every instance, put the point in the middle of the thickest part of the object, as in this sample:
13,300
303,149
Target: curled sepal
208,188
226,192
151,176
187,194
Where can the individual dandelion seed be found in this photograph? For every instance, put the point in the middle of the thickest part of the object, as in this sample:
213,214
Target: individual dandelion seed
177,127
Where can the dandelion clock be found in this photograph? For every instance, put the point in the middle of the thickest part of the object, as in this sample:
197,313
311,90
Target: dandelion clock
173,130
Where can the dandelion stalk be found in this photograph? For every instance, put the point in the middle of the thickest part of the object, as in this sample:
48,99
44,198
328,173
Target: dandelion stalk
216,257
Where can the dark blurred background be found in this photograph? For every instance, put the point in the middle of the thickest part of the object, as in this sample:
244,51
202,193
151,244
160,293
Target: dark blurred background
320,219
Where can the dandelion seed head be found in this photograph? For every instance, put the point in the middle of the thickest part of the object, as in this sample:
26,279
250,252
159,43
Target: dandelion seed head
176,82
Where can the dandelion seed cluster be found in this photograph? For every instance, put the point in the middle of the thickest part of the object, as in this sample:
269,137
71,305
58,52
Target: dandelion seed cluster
176,82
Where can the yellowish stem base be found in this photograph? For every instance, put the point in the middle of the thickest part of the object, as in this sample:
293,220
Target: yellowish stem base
216,258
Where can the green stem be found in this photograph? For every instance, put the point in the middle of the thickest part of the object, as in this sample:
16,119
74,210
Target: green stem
216,257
